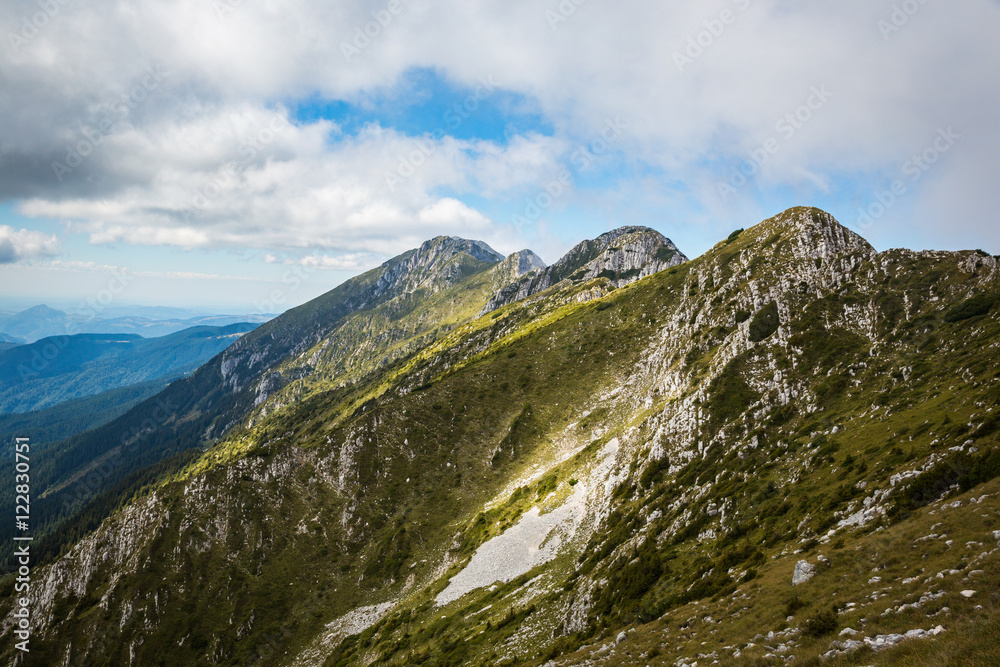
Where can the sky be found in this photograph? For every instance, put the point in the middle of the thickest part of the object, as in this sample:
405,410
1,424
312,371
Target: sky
248,155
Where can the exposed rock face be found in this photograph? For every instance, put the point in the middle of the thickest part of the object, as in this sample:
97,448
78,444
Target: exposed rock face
514,266
431,265
623,255
819,235
804,571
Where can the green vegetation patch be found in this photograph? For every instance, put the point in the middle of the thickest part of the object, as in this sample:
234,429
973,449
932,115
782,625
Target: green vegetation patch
765,322
730,393
971,307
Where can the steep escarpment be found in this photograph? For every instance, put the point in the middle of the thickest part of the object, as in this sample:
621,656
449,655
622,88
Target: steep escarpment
628,479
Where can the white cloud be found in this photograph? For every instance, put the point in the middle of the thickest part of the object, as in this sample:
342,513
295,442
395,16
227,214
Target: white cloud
293,190
312,186
93,267
17,245
348,262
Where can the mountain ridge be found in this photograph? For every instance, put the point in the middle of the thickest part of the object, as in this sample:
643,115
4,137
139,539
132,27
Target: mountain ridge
643,252
691,436
41,321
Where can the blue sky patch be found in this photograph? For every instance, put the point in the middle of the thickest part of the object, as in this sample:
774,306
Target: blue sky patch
422,102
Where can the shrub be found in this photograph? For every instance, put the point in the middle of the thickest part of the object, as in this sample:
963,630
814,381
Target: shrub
765,322
793,604
823,623
663,253
730,395
971,307
653,472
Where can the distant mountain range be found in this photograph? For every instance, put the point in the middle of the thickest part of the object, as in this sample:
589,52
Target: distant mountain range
59,368
7,341
42,321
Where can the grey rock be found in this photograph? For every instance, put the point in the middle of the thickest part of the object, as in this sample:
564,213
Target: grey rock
516,265
431,266
804,571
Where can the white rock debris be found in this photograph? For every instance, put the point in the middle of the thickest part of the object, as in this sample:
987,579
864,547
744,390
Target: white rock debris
879,642
533,540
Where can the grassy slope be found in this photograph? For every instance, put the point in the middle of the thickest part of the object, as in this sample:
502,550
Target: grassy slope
373,339
252,584
310,514
783,493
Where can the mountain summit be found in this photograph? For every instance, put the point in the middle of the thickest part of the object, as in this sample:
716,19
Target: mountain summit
622,255
516,265
437,263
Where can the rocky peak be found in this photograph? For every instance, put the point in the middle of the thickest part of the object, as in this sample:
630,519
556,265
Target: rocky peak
815,233
447,246
622,255
514,266
437,263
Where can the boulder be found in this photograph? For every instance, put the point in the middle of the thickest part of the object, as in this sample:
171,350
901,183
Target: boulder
804,571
